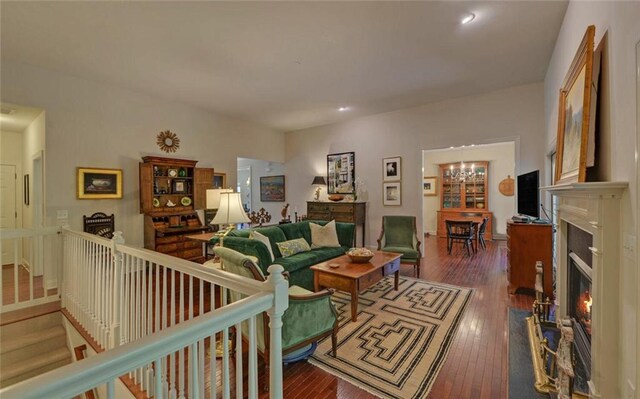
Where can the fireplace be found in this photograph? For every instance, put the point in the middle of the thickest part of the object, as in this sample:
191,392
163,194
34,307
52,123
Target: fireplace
579,308
588,267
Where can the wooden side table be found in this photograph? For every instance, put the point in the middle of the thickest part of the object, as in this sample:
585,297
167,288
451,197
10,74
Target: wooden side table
205,239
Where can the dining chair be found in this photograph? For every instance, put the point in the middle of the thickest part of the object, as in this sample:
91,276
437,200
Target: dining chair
481,230
460,231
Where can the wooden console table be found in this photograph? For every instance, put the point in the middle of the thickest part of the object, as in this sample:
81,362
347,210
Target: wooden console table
349,212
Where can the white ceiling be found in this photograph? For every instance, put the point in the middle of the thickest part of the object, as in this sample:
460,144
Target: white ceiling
19,117
289,65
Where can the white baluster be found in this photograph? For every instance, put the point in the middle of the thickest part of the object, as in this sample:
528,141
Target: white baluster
159,390
239,361
253,359
281,302
194,371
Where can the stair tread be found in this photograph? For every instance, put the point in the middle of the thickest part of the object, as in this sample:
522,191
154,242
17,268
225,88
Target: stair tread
37,362
15,343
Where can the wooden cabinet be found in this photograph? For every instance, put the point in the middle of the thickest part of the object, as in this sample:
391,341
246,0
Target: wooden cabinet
170,192
464,188
350,212
464,194
528,243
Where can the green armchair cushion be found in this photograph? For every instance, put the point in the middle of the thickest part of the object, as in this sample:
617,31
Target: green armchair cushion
305,317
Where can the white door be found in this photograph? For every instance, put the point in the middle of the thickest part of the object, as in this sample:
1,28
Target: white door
8,215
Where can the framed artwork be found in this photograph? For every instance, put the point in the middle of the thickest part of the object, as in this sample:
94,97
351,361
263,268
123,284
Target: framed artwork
341,173
430,185
179,187
219,180
272,188
25,185
95,183
574,115
391,194
392,169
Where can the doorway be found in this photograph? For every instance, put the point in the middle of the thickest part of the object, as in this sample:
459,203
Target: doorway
501,167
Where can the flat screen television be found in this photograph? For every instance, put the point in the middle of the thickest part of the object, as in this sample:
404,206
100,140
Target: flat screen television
528,194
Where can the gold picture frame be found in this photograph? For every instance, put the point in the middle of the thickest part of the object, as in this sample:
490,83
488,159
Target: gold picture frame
93,183
430,186
574,111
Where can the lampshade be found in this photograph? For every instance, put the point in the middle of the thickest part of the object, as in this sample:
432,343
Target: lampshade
230,210
213,197
319,181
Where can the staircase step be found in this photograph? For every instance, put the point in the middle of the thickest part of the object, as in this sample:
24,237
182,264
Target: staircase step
18,348
35,366
28,326
13,343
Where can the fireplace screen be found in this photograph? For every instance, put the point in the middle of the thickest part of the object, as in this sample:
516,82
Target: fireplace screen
579,301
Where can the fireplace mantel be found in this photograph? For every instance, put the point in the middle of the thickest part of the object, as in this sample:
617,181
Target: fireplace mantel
595,208
588,190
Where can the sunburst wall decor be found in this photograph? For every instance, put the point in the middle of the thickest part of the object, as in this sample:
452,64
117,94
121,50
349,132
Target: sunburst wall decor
168,141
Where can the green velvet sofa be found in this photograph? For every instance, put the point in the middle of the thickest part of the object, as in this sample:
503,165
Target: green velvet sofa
297,265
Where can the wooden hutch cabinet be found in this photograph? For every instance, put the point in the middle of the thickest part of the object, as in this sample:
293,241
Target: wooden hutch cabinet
464,194
170,192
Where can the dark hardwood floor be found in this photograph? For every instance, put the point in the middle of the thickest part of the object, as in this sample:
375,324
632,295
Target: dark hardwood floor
477,363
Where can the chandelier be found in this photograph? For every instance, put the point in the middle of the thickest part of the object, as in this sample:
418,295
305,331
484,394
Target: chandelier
462,172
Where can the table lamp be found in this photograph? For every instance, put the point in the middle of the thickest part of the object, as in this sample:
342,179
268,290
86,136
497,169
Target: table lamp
318,183
230,212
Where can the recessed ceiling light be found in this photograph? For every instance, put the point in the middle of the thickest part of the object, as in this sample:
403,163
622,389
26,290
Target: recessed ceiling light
342,109
468,18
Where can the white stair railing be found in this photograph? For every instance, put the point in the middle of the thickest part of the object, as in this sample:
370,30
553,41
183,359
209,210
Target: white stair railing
121,295
153,352
30,272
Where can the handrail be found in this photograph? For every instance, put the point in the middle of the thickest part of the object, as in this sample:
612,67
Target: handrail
220,277
76,378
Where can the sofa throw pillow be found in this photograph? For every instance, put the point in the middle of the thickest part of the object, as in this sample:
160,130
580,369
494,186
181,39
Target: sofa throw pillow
292,247
324,236
254,235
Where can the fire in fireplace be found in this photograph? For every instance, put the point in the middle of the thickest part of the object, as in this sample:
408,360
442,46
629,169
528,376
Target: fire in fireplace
580,293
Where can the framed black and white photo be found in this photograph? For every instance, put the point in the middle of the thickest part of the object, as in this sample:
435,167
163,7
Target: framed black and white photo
26,189
392,169
391,194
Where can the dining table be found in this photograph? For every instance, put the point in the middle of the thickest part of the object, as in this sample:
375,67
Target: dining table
475,220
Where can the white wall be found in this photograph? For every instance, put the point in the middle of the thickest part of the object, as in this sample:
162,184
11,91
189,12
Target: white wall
501,157
617,126
98,125
513,114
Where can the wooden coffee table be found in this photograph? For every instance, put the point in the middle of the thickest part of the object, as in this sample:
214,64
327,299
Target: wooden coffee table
356,277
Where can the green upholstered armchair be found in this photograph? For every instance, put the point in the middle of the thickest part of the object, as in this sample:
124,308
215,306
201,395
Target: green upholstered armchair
399,234
310,316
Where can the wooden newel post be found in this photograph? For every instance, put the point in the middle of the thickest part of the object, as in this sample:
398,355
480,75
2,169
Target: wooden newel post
116,302
280,288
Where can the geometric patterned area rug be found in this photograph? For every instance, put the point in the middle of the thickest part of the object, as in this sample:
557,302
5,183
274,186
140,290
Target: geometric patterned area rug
401,338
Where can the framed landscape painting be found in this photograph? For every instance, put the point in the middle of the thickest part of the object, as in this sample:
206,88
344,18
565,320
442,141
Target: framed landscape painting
99,183
574,115
272,188
341,173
